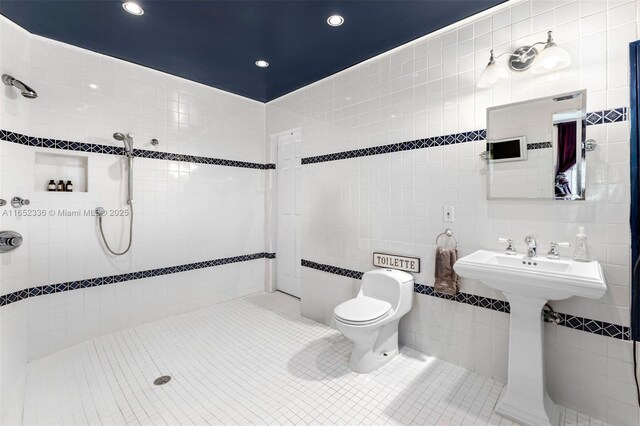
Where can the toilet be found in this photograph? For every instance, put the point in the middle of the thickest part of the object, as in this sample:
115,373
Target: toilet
371,319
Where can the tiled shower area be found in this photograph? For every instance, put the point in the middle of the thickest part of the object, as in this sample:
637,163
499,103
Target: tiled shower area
199,196
381,148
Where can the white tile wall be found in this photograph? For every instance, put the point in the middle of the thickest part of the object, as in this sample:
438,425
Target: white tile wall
391,202
14,49
394,202
183,212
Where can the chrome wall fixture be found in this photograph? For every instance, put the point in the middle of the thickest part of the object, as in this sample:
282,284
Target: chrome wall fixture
127,140
9,240
25,90
590,145
449,234
128,152
18,202
551,58
154,142
2,202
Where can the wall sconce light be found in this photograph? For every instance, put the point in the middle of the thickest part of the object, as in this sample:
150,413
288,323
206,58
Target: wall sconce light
551,58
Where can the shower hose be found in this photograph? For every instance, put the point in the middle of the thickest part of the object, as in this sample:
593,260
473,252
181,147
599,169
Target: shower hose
106,244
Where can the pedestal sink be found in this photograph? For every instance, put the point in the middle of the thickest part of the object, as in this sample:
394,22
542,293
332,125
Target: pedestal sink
528,283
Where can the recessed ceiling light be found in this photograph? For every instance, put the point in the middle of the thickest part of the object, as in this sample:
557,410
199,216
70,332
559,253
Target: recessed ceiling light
93,86
133,8
262,63
335,20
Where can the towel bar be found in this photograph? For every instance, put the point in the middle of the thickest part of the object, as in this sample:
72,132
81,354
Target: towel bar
447,233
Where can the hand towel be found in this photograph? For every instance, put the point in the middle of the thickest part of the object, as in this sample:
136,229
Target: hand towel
446,277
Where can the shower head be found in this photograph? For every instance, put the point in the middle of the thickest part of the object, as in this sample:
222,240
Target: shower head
126,139
25,90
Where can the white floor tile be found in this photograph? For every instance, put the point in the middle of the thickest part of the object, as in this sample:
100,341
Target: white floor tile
252,360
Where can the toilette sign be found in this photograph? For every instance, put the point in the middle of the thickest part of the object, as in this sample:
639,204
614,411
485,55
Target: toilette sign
410,264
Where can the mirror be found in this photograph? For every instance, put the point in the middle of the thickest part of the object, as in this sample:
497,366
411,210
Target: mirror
536,148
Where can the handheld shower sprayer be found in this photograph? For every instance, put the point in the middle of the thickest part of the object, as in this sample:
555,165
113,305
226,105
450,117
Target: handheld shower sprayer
128,152
100,212
25,90
127,140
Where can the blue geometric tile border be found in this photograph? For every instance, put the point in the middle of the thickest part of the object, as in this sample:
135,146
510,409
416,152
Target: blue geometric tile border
21,139
594,326
577,323
607,116
475,135
539,145
469,299
332,269
112,279
592,118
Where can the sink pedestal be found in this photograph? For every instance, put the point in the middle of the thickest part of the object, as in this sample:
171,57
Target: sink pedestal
528,284
525,398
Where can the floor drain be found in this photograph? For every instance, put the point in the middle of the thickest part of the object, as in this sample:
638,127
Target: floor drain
161,380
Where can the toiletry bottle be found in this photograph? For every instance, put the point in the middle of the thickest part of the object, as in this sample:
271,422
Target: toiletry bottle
61,187
51,186
581,253
69,186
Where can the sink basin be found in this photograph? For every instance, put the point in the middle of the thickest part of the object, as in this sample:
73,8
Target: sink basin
528,283
539,277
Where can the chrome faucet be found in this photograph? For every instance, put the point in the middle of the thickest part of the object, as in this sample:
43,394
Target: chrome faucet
510,250
532,248
553,251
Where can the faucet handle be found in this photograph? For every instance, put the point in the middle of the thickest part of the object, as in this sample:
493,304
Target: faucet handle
553,251
510,250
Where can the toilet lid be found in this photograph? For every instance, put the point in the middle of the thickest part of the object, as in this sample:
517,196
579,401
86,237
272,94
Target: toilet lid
362,309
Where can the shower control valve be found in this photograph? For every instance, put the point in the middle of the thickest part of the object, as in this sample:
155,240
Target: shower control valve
18,202
9,240
100,211
2,202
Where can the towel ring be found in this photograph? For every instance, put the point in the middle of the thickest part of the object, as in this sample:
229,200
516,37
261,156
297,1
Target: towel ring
449,234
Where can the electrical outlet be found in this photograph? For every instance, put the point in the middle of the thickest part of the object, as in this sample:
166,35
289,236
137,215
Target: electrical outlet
449,214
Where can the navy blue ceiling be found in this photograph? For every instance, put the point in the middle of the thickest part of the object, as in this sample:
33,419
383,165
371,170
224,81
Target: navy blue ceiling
218,42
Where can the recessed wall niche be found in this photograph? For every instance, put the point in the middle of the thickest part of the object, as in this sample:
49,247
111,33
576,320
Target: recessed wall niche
58,167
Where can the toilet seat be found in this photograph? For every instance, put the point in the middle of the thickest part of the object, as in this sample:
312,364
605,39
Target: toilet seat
362,310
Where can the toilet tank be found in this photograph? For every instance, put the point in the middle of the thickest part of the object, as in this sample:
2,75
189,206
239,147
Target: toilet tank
386,284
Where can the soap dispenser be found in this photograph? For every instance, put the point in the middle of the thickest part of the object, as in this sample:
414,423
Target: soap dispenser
581,253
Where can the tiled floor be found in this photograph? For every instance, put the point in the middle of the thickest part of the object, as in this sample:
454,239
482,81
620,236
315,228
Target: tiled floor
247,361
